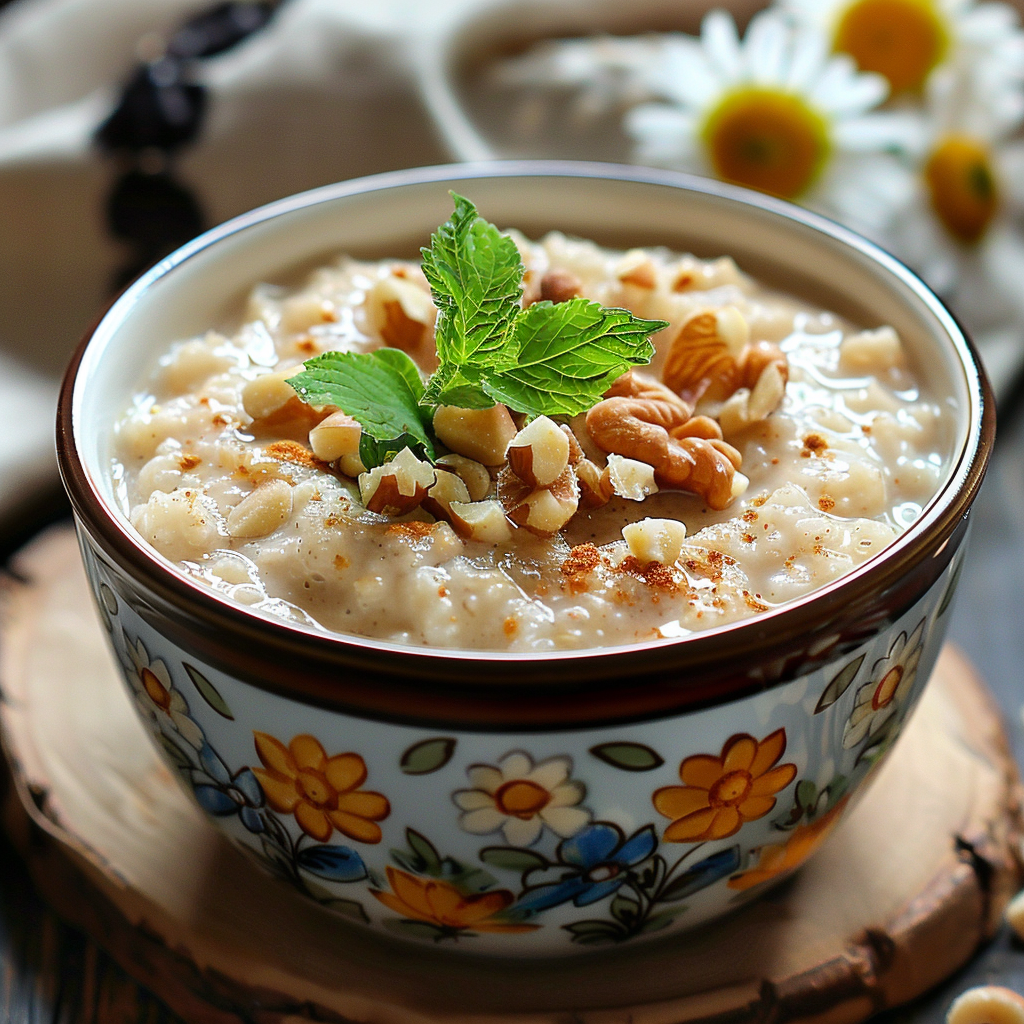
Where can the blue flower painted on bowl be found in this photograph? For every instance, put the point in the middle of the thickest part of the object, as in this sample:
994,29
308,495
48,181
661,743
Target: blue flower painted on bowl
593,864
222,794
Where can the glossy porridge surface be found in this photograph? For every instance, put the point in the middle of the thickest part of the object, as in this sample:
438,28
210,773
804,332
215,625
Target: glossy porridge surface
843,464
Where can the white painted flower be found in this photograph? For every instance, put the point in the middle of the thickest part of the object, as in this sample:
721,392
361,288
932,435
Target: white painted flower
776,112
961,227
520,798
906,40
878,699
156,695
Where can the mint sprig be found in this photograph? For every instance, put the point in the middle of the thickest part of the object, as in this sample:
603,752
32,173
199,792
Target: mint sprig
548,359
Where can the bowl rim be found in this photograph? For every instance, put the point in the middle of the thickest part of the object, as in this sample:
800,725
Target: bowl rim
457,672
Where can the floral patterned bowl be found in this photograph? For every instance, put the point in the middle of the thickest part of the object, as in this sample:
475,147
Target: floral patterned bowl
540,804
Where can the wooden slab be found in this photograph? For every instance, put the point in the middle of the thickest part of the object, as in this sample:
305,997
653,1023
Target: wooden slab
913,881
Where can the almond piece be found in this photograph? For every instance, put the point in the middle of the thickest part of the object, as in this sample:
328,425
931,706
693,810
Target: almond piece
655,540
595,487
630,478
479,434
474,474
398,486
480,520
335,436
539,453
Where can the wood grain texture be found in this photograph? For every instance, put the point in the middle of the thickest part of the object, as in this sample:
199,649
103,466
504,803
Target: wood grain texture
902,895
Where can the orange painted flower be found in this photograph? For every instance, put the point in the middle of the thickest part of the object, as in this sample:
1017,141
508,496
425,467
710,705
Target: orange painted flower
720,793
779,858
322,792
442,904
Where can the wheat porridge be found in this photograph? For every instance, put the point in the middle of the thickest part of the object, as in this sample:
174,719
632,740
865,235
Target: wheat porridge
525,446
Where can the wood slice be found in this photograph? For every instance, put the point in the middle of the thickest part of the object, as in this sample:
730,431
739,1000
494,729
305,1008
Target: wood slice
914,880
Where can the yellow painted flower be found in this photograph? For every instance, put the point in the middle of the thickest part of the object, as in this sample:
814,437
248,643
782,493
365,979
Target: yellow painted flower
774,112
442,904
520,798
907,40
776,859
719,794
322,792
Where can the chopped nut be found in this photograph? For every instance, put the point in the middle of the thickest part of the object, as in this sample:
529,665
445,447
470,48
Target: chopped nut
595,486
542,510
575,451
474,475
630,478
479,434
986,1004
655,540
335,436
401,312
480,520
560,286
260,513
351,465
746,407
703,356
448,486
268,392
398,486
643,420
276,409
637,268
539,453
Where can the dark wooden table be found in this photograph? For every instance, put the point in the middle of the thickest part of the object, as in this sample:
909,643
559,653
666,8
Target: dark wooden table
52,973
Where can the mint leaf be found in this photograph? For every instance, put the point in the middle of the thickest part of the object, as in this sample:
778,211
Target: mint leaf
564,356
476,277
381,389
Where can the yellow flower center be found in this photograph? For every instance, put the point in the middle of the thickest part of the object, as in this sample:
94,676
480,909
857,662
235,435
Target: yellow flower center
521,798
768,140
886,689
963,186
316,789
900,39
730,789
158,693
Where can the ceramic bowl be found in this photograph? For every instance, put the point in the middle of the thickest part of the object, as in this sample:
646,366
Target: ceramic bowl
270,725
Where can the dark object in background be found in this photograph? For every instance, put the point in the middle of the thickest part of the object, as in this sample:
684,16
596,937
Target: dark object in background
161,109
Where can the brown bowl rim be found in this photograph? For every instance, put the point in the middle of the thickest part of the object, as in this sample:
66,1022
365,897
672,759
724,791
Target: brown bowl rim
466,683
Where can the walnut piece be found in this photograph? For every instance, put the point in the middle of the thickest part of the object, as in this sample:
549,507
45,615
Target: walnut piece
479,434
703,355
398,486
644,420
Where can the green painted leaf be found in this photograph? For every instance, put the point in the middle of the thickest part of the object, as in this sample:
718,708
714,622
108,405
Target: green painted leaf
475,275
417,929
424,851
348,908
427,756
806,793
380,389
656,922
108,598
174,752
565,355
630,757
208,691
511,858
592,933
839,685
624,908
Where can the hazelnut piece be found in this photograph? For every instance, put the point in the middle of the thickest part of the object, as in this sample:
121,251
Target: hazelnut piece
655,540
401,312
448,486
480,520
474,474
630,478
539,453
398,486
335,436
479,434
595,487
542,510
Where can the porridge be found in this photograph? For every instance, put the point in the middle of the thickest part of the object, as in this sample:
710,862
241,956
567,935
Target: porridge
669,447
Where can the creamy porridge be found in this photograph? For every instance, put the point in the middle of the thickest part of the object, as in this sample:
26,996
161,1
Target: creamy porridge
766,449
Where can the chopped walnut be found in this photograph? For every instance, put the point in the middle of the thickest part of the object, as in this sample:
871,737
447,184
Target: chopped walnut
644,420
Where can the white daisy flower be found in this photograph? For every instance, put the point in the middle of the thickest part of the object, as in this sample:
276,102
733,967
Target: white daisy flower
520,798
880,697
961,229
156,695
777,113
906,40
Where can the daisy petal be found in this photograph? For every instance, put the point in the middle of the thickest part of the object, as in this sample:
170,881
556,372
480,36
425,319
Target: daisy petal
565,821
485,777
472,799
482,821
551,773
522,831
